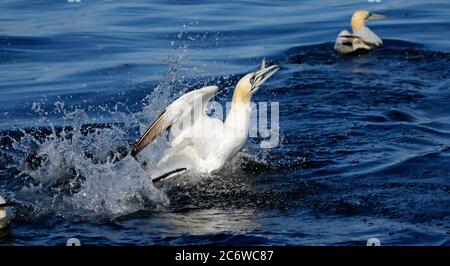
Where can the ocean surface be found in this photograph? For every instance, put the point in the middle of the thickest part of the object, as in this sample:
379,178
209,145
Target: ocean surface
364,145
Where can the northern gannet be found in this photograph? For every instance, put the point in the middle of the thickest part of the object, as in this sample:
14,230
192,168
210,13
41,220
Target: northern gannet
362,37
6,214
201,143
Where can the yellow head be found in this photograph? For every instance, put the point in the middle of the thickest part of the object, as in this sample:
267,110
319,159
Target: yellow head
243,89
251,82
360,17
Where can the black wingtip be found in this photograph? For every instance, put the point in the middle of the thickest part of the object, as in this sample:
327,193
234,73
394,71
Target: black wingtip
351,37
133,154
161,177
8,204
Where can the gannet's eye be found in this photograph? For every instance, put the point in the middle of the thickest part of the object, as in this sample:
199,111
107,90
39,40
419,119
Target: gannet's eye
252,79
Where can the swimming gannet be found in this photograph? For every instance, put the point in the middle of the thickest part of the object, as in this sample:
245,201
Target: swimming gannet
6,214
362,37
201,143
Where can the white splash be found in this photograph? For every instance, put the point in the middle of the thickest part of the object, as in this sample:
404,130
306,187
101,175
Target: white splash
84,173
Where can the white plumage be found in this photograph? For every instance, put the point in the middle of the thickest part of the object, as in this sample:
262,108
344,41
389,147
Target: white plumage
201,143
362,37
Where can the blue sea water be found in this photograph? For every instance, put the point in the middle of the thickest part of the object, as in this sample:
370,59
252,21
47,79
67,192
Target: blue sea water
365,139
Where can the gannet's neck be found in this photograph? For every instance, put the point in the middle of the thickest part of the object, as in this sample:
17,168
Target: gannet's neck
243,91
240,97
359,20
240,106
357,24
239,115
235,134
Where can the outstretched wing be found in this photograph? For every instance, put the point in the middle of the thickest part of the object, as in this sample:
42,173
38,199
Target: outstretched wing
173,113
162,123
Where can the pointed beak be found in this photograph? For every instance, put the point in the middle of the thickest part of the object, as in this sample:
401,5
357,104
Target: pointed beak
263,64
375,17
262,75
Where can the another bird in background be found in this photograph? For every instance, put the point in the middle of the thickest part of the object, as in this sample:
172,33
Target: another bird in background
6,214
362,37
201,143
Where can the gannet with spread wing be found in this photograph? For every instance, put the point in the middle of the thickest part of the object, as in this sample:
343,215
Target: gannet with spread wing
201,143
362,37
